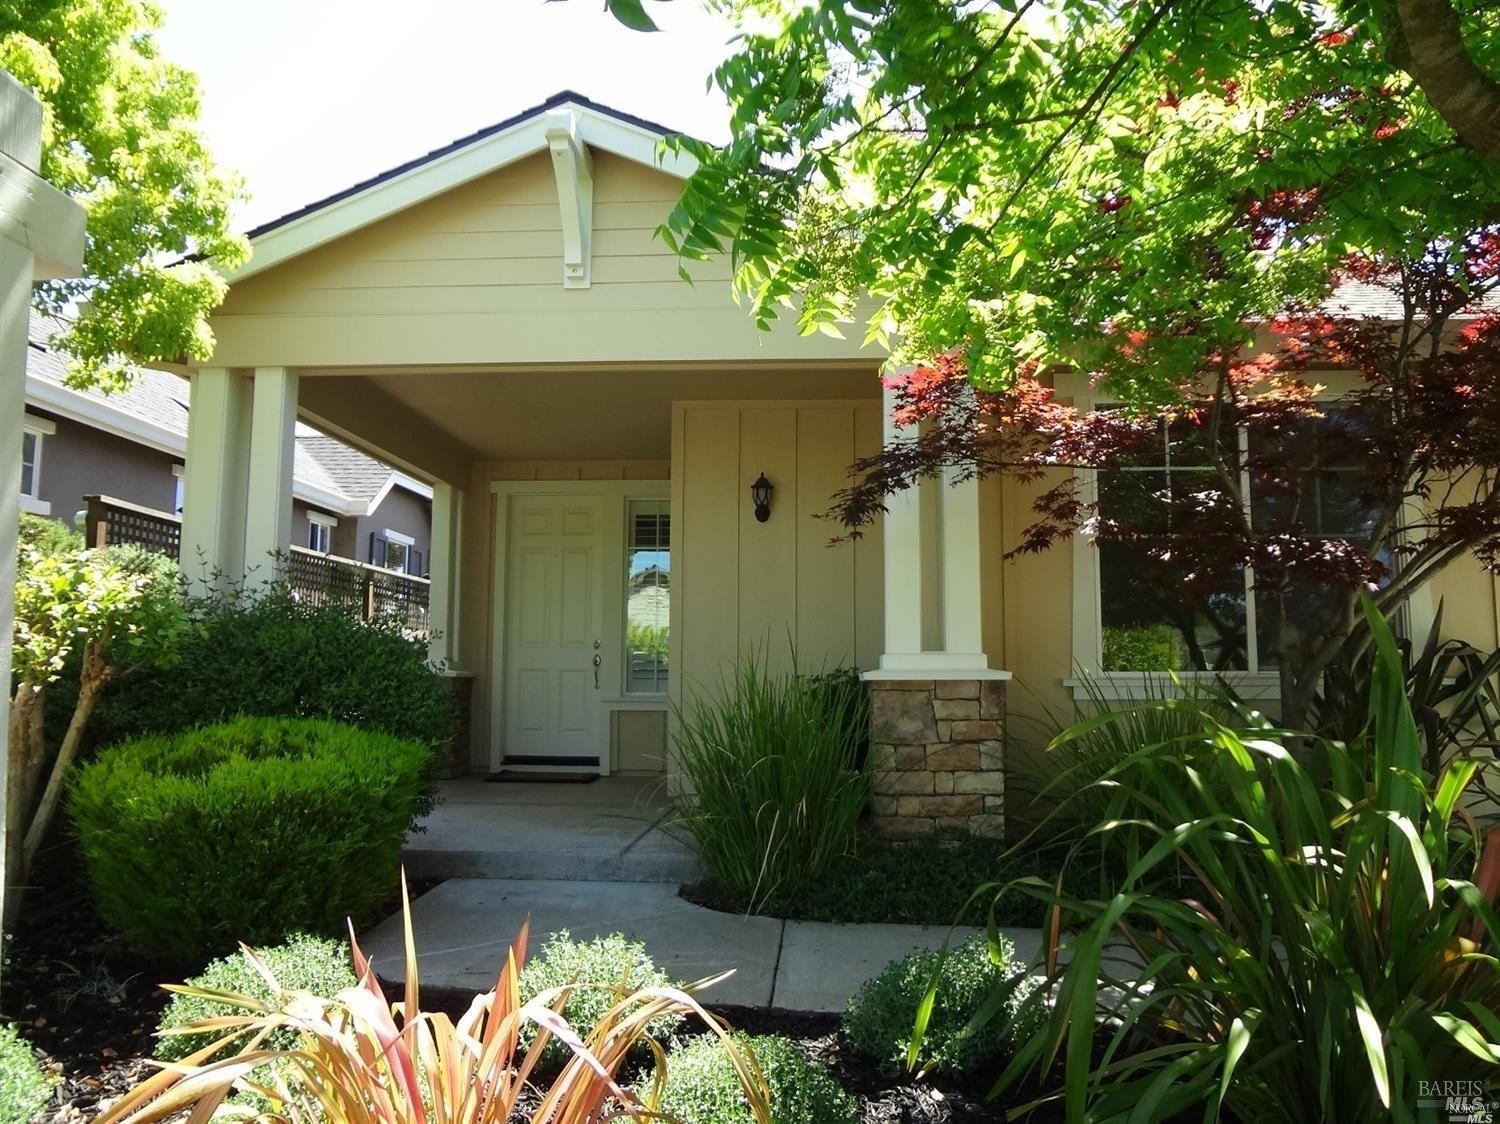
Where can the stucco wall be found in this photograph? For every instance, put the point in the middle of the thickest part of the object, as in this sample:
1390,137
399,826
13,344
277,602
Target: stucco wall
78,460
401,511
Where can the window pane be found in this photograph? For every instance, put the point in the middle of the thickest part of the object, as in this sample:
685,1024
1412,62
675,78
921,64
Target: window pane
1152,624
28,463
648,596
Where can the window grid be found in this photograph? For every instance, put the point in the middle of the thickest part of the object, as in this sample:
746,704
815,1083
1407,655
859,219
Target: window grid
648,568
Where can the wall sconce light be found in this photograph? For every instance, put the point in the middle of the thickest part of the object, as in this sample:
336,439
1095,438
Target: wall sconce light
760,492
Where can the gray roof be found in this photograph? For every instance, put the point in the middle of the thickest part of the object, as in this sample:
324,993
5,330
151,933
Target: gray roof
160,398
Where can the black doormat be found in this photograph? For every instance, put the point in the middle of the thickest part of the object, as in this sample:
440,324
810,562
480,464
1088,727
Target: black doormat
523,777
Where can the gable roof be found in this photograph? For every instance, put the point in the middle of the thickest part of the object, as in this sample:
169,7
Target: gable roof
467,158
152,410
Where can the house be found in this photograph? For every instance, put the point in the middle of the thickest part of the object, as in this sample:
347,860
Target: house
131,445
499,318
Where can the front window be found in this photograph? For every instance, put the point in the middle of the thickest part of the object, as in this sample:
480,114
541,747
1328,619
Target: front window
1150,619
648,596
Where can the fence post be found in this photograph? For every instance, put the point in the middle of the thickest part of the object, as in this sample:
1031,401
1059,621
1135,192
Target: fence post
368,608
95,522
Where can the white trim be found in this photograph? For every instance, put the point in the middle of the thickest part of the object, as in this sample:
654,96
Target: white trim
42,427
935,672
1131,686
34,506
398,538
612,638
396,480
463,165
574,172
31,500
322,518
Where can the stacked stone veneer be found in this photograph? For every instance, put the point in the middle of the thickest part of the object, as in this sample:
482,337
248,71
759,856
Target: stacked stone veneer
939,757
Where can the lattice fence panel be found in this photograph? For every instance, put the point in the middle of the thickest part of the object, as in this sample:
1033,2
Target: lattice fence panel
111,521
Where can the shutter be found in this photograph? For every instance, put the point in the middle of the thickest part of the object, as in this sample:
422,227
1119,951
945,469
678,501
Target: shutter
414,563
377,549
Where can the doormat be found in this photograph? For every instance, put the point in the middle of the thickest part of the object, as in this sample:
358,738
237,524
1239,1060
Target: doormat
521,777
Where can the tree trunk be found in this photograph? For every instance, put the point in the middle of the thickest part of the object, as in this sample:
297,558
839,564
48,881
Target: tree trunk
91,681
1425,39
26,750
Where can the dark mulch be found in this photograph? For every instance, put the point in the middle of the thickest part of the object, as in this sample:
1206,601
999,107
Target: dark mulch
89,1005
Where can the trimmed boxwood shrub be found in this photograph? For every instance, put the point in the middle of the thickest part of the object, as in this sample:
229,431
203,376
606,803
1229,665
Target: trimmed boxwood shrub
601,964
702,1088
24,1088
878,1021
301,963
246,830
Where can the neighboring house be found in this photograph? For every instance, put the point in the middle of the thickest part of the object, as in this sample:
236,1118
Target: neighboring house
131,445
500,318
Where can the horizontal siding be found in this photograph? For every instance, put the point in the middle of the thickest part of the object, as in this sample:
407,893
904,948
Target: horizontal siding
495,243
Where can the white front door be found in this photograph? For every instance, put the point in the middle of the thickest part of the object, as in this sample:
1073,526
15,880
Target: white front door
553,715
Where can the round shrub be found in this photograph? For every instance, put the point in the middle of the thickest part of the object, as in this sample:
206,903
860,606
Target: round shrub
701,1086
24,1088
603,966
246,831
878,1021
301,963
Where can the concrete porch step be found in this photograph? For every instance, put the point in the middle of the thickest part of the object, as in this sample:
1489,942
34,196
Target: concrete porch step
607,831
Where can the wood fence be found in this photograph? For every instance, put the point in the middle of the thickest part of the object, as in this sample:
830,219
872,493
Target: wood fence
370,592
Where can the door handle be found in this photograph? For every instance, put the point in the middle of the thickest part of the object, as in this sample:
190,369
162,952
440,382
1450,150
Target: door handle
598,659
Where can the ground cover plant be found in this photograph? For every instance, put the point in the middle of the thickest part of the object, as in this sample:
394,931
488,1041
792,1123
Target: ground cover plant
362,1058
775,785
596,970
24,1088
702,1086
1337,946
879,1019
920,882
302,962
246,830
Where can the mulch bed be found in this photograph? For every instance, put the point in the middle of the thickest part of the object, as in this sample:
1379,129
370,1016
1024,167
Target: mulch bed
90,1007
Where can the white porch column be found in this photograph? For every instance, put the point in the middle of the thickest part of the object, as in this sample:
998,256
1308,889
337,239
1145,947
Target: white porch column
902,530
933,603
41,237
268,502
214,478
442,595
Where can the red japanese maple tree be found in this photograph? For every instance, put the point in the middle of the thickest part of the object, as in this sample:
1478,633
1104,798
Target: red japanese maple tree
1349,454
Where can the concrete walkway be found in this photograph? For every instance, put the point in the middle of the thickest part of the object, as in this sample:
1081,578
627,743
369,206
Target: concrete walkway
463,927
605,831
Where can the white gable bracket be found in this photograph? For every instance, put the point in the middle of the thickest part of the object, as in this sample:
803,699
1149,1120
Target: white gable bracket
575,194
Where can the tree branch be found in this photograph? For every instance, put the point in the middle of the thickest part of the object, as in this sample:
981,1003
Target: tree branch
1425,39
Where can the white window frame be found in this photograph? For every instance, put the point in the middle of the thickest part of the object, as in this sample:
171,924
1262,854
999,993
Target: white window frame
324,525
405,542
179,489
625,689
40,429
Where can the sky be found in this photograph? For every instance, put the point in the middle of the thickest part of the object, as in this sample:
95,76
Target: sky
305,97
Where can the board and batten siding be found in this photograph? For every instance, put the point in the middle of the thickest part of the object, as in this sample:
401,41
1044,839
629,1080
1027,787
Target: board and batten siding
743,585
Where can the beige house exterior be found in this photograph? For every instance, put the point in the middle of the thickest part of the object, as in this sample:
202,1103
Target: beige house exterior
501,320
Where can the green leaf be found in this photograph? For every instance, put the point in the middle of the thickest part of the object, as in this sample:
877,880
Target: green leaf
632,13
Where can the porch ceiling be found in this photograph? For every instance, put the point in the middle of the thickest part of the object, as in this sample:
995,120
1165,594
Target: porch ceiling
619,413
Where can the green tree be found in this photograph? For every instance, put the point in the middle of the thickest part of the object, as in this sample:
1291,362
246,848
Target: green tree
1034,184
115,609
120,136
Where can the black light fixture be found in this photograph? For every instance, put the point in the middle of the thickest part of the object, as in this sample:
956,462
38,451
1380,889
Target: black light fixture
760,492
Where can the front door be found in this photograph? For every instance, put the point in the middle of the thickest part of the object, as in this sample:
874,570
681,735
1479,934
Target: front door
554,618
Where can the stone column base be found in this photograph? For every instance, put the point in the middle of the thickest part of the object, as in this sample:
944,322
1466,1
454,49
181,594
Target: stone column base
937,750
